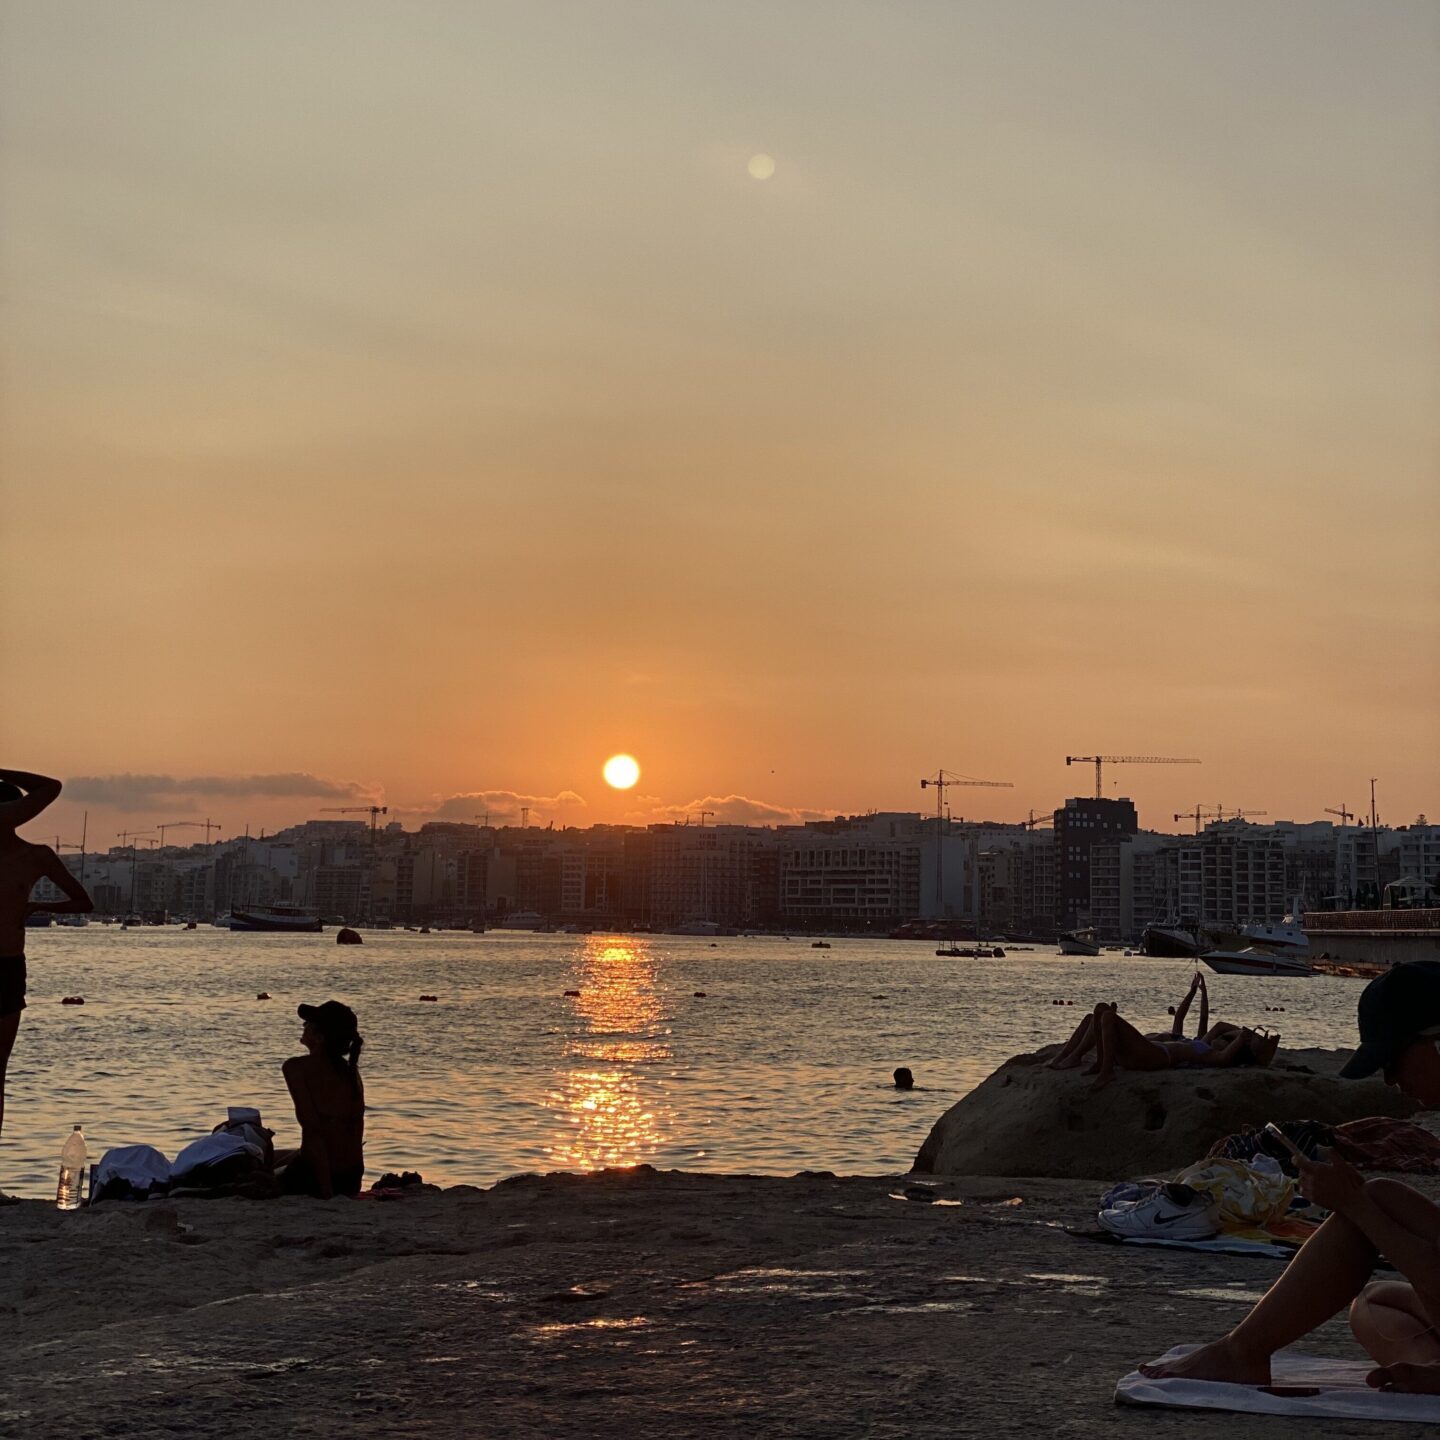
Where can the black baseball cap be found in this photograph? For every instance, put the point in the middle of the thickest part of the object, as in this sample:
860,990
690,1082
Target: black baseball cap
1396,1009
332,1017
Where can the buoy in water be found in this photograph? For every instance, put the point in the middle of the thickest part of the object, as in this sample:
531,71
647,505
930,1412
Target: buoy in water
574,993
700,995
346,936
263,995
430,997
73,1000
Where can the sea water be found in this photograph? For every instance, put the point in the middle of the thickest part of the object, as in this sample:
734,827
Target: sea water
783,1065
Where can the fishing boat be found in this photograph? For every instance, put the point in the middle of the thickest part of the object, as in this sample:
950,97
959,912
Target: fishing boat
1255,961
276,919
1079,942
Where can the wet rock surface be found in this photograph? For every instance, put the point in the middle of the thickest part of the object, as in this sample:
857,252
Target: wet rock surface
1027,1119
632,1303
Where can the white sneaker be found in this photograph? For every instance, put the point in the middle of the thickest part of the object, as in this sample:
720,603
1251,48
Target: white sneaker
1173,1212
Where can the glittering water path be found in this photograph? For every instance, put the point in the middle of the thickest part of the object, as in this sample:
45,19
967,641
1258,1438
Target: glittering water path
783,1066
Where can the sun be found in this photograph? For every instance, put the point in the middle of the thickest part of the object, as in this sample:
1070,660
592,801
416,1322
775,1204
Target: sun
621,772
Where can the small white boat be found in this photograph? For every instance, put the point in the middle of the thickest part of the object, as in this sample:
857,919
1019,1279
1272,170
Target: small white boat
1255,962
1079,942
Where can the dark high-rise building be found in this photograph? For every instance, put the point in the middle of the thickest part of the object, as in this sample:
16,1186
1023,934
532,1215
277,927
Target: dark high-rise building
1079,824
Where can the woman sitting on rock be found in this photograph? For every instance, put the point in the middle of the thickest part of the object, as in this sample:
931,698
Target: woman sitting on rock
329,1101
1396,1320
1119,1045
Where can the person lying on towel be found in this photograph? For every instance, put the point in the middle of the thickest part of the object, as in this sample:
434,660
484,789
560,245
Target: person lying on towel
329,1101
1395,1320
1118,1044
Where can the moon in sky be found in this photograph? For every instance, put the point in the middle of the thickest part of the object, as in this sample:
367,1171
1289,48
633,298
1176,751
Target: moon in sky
762,167
621,772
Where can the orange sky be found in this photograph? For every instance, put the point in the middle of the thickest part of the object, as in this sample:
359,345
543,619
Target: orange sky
427,399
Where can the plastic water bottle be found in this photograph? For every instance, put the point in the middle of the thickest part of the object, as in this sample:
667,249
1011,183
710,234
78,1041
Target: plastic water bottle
73,1156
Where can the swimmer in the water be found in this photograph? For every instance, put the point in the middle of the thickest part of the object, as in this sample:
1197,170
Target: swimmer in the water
904,1080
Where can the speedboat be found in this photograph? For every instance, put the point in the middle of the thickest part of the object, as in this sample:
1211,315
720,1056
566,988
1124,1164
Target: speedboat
1079,942
1255,961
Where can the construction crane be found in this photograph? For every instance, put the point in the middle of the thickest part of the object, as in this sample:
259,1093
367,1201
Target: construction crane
940,782
485,818
1218,811
1098,760
1035,820
206,825
704,815
1346,816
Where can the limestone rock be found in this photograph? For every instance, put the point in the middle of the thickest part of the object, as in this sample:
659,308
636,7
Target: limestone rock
1027,1119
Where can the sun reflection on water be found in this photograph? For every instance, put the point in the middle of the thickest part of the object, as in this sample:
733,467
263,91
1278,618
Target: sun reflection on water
611,1113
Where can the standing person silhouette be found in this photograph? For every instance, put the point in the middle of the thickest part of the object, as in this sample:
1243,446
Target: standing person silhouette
22,797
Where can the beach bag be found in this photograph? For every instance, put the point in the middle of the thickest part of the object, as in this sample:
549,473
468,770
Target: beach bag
1309,1136
243,1122
131,1172
1248,1196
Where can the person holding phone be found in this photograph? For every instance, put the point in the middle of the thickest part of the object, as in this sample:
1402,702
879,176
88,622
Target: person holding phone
1397,1321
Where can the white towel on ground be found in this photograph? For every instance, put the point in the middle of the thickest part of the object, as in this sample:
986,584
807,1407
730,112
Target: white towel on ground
1341,1392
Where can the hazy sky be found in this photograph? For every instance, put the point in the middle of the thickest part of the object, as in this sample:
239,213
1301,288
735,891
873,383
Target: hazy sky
424,398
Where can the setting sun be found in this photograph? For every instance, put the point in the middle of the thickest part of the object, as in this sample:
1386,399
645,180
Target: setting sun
621,771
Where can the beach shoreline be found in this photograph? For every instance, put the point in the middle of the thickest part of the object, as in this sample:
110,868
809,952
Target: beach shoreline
625,1302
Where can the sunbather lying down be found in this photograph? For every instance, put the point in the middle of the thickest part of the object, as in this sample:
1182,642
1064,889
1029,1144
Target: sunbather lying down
1119,1045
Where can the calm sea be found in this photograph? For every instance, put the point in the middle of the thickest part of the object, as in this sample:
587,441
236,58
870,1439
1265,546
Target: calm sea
784,1065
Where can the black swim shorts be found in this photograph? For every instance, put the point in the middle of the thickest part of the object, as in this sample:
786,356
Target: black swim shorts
12,984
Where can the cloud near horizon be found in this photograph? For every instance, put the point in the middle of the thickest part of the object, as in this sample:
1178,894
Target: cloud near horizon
730,810
141,792
502,806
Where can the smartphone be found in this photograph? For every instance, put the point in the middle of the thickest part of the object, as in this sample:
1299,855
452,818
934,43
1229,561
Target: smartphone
1271,1128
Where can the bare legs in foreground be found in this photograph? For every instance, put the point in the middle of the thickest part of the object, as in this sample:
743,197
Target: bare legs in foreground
1332,1271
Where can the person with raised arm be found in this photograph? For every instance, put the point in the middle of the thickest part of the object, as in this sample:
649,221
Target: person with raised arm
1396,1321
22,797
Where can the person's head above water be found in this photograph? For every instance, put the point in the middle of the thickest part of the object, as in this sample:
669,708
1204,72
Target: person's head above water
1399,1014
904,1080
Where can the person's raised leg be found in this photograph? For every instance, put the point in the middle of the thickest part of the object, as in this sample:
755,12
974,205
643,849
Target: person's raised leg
1098,1035
1331,1269
1076,1047
1126,1047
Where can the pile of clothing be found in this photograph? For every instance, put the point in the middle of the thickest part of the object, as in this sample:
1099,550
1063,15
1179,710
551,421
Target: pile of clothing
1246,1187
1214,1197
238,1147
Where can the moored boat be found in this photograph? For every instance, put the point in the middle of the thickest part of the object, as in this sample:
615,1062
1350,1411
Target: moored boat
276,919
1255,961
1079,942
1170,939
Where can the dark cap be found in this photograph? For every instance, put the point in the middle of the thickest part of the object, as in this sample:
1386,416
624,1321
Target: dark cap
1396,1009
332,1019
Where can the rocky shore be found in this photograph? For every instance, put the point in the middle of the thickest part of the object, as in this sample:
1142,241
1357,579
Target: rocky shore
629,1303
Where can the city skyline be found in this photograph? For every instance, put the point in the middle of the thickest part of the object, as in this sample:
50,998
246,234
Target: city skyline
435,402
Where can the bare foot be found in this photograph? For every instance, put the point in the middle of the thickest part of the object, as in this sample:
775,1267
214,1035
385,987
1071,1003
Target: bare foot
1407,1379
1102,1079
1219,1360
1067,1062
1092,1069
